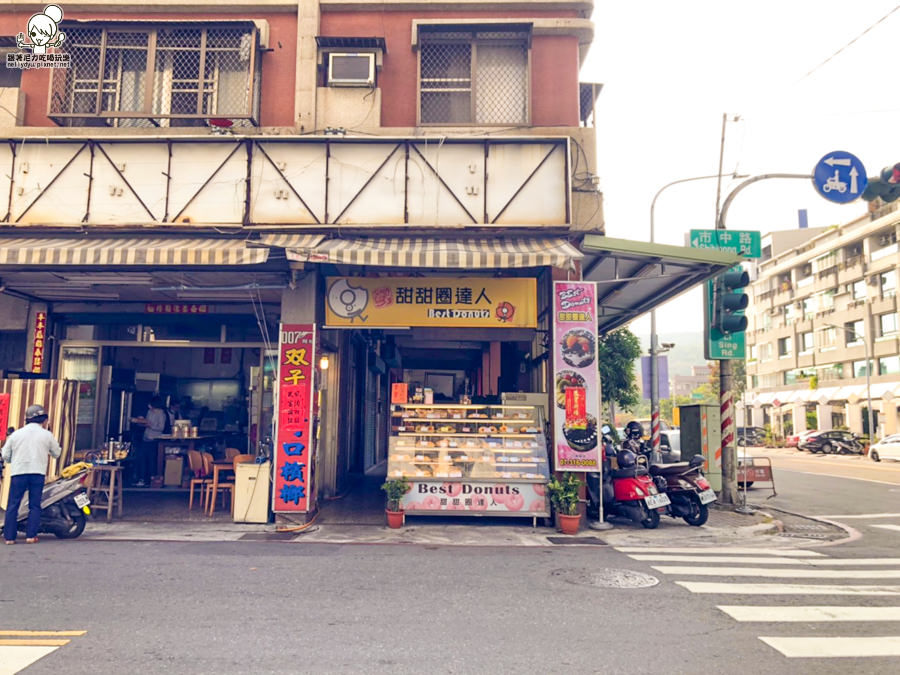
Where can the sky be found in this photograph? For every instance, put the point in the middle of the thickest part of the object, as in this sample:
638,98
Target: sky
671,69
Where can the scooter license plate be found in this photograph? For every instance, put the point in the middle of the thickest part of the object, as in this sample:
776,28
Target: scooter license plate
707,496
82,500
657,501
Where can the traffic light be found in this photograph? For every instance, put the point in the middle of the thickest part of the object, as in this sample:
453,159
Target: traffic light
886,186
729,299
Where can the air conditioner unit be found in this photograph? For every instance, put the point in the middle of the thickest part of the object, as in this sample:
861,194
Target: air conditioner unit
351,69
873,280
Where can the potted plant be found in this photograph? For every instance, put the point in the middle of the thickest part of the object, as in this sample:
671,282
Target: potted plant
563,493
394,489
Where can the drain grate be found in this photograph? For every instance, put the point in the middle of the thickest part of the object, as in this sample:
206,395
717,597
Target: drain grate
805,535
605,578
589,541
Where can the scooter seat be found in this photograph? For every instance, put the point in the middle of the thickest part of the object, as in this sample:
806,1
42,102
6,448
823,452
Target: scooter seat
629,473
669,469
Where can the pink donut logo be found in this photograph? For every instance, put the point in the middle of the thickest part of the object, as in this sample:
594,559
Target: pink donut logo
479,503
515,502
453,489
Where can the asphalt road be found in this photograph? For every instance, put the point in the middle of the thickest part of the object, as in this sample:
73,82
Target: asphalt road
279,607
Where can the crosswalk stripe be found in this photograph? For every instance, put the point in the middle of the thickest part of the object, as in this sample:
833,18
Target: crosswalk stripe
814,562
815,613
728,588
42,633
718,550
782,573
32,642
16,659
889,527
834,647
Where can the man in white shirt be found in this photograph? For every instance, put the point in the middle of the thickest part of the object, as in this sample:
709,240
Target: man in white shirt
154,423
27,453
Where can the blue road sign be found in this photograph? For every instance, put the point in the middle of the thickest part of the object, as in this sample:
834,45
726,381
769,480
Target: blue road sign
840,177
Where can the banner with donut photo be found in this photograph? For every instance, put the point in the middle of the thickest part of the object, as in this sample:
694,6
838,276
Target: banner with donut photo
576,376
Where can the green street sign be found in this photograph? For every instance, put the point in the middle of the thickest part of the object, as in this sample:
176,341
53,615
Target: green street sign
743,242
718,346
697,397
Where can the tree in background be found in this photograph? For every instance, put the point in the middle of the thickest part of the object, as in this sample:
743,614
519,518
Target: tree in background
616,354
739,378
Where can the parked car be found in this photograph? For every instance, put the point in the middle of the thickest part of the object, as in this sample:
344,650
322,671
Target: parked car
887,448
824,441
793,440
751,435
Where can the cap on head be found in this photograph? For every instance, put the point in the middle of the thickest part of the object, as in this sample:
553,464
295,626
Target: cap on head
35,413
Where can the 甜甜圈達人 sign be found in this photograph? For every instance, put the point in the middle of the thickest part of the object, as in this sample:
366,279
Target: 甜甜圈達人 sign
576,377
442,302
38,342
293,435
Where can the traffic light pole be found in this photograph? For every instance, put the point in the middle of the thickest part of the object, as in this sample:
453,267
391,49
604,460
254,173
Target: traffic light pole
729,493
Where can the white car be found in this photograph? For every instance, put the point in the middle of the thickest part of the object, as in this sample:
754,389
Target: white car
887,448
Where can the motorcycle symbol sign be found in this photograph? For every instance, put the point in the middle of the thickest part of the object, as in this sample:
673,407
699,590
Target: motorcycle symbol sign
840,177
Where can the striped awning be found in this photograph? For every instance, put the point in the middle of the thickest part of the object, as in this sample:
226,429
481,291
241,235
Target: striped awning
289,240
151,251
422,252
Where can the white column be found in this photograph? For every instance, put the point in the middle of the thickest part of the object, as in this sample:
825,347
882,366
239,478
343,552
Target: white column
798,417
756,416
889,417
853,411
823,415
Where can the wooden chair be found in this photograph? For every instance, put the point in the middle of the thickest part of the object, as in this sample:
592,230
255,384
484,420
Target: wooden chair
222,488
200,476
231,453
207,461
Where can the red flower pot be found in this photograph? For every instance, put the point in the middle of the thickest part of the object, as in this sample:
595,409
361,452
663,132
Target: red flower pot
568,524
395,519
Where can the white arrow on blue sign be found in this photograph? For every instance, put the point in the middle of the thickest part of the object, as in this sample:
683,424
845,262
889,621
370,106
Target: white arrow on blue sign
840,177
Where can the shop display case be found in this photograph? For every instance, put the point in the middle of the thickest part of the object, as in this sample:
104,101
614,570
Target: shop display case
470,459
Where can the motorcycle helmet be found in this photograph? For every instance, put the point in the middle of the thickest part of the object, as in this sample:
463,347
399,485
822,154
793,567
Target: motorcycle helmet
634,430
625,459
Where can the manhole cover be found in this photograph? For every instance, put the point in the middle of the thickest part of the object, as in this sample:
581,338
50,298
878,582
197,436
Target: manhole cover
812,526
605,578
590,541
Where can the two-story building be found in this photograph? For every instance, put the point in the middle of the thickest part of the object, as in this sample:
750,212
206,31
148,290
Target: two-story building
185,179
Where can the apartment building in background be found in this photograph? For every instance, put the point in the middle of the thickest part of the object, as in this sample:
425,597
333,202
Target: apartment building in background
822,301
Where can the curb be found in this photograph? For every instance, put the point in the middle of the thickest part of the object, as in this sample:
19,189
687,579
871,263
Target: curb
852,534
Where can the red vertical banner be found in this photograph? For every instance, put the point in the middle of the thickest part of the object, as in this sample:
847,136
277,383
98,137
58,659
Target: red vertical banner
293,436
38,342
4,415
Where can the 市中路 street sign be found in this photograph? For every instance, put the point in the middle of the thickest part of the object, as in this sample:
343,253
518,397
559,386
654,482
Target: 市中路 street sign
743,242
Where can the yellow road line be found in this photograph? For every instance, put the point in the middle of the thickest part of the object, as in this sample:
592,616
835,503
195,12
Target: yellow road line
41,633
33,643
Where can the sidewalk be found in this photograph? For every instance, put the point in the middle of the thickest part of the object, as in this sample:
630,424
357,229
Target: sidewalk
762,529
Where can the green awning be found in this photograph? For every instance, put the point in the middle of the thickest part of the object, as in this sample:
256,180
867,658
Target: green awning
633,277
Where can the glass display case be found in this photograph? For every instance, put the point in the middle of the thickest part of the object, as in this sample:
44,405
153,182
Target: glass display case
471,459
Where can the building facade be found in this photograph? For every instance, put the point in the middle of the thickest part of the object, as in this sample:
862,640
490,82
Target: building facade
823,317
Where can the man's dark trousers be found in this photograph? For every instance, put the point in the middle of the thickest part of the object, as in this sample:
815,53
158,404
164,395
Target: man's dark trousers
33,483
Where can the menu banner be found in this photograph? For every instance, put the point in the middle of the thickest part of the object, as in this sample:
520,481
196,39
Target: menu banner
4,415
293,435
526,499
384,302
574,350
38,342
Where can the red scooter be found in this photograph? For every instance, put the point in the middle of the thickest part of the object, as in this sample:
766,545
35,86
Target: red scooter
687,489
629,491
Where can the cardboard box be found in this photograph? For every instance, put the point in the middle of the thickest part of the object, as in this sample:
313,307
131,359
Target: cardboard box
174,469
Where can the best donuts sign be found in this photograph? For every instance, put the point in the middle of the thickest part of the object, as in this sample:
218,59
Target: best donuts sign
524,499
575,375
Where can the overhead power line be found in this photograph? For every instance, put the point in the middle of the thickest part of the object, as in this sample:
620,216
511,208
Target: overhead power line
849,43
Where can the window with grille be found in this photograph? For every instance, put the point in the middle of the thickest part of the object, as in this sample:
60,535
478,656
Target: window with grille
161,76
473,77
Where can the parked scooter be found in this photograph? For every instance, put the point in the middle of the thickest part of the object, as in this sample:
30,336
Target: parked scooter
837,446
65,505
688,490
629,491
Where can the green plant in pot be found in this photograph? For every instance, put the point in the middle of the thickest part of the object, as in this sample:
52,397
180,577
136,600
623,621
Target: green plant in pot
563,491
394,489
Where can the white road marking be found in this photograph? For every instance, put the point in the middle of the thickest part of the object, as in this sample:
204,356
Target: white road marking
814,613
834,647
862,516
814,562
726,588
718,550
14,659
773,573
888,527
835,475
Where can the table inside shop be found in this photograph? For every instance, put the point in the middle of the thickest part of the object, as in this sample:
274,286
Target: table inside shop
219,465
171,442
105,481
